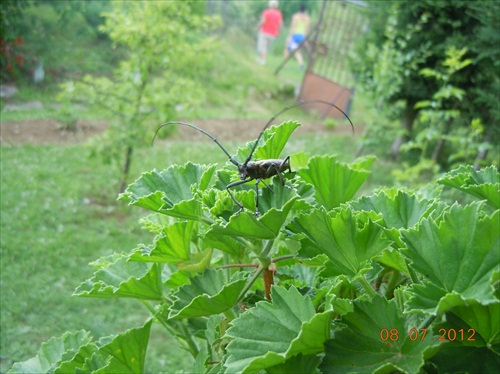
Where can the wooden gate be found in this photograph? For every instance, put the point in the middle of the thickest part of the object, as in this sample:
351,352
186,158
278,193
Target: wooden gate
328,76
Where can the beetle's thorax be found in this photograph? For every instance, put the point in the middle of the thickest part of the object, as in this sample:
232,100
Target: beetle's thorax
262,169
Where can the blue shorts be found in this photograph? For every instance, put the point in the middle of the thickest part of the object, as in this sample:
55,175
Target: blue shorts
295,42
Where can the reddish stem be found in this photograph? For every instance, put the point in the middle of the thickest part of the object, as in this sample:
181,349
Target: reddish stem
268,275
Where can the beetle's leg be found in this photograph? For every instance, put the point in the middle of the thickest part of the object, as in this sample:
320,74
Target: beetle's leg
234,184
268,186
277,169
287,159
257,181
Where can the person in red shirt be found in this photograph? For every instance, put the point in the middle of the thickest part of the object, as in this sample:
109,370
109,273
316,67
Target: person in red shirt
271,22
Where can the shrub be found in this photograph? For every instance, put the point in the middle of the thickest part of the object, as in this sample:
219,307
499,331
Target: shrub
396,281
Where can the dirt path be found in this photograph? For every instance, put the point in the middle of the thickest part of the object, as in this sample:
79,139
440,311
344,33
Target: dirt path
48,131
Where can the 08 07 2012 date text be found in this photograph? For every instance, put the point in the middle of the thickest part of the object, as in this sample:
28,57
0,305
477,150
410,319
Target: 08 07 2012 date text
419,334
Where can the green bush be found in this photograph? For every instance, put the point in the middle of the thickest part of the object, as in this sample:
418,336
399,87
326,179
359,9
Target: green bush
396,281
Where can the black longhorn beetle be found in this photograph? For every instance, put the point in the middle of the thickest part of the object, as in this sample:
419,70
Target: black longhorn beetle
261,169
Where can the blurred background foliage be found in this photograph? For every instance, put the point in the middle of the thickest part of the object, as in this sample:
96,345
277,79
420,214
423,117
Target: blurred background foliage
90,42
408,63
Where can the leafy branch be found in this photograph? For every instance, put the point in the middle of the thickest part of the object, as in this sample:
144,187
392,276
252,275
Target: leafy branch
142,89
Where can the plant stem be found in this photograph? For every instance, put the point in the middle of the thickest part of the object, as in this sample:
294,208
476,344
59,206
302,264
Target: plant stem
250,282
274,260
126,168
151,310
188,338
225,266
369,290
236,266
282,258
229,314
267,249
413,275
268,281
184,334
393,282
427,322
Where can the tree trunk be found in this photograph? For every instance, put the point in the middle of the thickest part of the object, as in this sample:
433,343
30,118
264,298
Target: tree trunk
438,149
482,154
126,168
409,116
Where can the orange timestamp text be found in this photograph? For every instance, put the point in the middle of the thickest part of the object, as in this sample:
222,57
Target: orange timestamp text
419,334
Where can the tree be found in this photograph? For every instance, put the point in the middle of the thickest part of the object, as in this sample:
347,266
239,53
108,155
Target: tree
416,35
10,13
166,50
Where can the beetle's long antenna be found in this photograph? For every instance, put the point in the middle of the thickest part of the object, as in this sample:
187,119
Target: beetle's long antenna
200,130
298,103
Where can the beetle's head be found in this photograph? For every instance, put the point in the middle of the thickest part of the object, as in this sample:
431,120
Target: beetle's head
243,170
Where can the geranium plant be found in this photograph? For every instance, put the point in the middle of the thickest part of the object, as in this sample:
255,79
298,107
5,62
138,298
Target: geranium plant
320,281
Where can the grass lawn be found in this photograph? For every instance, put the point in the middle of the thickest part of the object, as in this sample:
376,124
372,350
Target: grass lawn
59,213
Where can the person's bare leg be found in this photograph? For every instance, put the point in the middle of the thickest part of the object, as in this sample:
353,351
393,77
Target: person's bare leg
298,55
263,54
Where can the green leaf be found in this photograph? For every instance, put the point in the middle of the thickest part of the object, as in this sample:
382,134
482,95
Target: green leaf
126,353
397,211
403,210
458,255
340,294
207,294
155,222
297,364
219,202
189,209
299,160
247,225
213,331
172,246
174,277
271,333
349,240
75,352
363,341
124,279
53,352
201,358
483,184
475,325
363,163
278,196
198,261
171,191
334,182
273,141
460,359
225,243
78,361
